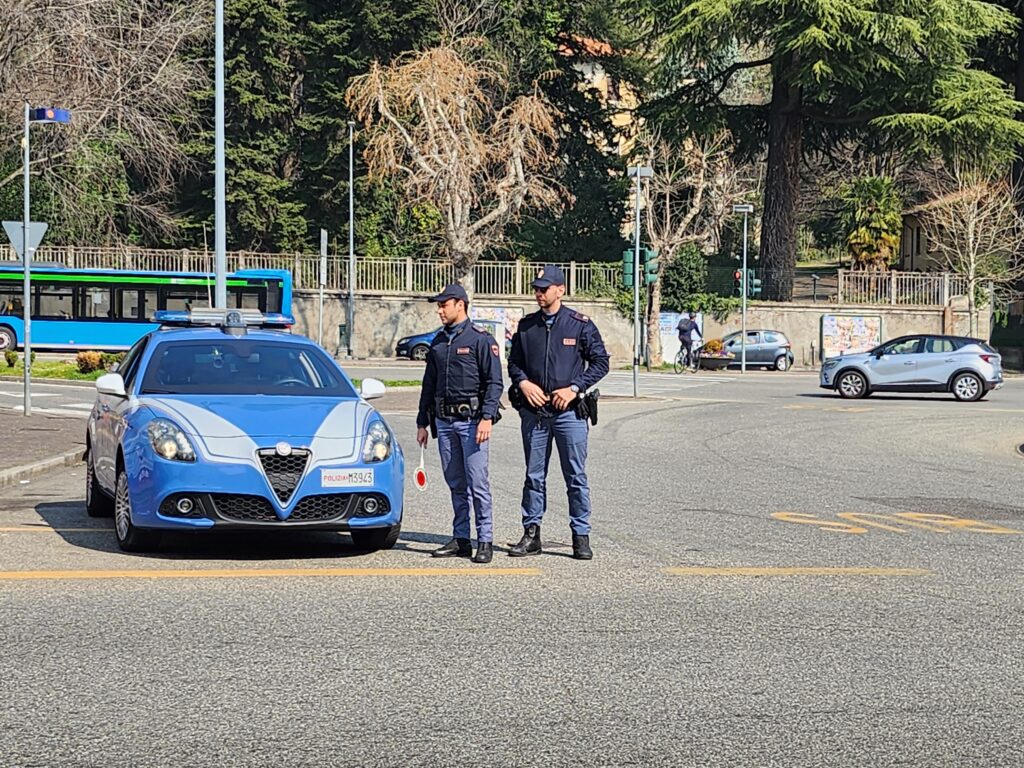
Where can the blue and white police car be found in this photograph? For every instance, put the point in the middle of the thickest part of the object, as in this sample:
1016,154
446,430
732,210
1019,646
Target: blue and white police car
219,421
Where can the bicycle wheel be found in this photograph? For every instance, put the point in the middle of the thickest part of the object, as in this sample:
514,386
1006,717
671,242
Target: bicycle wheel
679,364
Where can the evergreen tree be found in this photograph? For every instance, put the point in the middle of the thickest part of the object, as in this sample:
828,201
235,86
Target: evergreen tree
902,71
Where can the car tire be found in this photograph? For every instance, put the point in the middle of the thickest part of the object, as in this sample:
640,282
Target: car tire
967,387
129,537
97,503
851,385
419,352
373,539
7,339
781,363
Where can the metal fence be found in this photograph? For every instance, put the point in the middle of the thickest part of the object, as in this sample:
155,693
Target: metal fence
899,288
491,278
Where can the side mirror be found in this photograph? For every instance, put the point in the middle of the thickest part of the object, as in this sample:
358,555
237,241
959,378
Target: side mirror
111,384
371,389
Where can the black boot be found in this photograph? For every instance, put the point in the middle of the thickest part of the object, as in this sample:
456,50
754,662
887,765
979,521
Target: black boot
581,548
529,544
455,548
484,552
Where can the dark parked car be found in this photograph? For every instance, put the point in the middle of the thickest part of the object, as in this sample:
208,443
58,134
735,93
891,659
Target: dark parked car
764,347
416,347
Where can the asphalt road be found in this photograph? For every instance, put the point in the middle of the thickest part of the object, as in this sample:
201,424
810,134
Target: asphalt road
781,578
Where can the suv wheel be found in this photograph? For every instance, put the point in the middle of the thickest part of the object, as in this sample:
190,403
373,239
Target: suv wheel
781,363
419,352
967,387
852,384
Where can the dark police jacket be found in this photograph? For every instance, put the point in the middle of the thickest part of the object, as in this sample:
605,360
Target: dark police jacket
570,352
463,368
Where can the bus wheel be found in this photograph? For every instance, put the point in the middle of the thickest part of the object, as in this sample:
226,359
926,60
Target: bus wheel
7,340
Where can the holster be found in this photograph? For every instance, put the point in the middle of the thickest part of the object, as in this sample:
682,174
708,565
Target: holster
515,397
586,406
432,415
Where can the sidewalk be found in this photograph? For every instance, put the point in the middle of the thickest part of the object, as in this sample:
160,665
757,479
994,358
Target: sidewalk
37,444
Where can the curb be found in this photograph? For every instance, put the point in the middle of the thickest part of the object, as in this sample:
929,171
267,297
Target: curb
15,475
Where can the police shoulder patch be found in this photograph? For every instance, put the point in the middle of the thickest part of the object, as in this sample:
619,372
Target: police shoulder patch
480,329
580,316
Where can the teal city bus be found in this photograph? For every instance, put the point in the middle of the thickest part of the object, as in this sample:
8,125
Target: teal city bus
111,309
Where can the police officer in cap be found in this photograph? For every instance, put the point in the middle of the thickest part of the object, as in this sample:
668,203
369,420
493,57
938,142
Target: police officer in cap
461,390
557,355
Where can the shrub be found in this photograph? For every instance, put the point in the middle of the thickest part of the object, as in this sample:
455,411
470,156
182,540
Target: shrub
11,357
88,362
110,359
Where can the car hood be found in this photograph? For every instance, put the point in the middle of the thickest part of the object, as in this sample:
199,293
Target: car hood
852,357
267,418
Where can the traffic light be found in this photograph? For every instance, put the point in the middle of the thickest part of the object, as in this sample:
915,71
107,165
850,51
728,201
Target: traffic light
737,283
627,268
649,256
753,284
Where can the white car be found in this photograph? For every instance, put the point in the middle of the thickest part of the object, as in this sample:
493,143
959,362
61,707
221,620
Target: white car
968,368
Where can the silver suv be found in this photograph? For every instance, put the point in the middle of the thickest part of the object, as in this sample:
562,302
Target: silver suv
969,368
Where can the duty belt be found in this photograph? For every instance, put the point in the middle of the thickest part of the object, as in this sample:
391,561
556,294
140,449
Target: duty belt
458,409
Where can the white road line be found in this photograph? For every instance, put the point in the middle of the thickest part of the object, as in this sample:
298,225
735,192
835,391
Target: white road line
34,394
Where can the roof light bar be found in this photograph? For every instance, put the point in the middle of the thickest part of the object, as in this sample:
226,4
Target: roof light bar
223,318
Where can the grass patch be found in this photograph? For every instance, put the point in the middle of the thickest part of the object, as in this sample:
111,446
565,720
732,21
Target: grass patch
64,370
393,382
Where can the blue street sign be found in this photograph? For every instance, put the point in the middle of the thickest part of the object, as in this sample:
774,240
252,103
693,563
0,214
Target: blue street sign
49,115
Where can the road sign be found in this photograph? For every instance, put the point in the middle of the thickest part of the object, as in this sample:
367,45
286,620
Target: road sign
36,230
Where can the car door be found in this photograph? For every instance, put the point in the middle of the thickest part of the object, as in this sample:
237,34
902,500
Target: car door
109,419
938,361
895,363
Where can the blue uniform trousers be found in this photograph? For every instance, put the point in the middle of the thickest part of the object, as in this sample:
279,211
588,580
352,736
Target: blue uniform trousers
569,433
465,470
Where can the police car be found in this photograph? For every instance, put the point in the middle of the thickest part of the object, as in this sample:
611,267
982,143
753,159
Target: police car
219,421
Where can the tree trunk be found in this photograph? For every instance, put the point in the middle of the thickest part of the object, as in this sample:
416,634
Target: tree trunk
1017,171
782,186
463,270
654,323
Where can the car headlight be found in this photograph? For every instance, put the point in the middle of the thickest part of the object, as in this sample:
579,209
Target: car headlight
829,364
169,441
403,341
377,445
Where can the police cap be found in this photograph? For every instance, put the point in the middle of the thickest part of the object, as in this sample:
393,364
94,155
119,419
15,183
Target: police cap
453,291
549,275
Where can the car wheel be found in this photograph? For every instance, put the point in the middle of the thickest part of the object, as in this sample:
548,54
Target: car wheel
97,503
852,384
781,363
130,538
419,352
7,340
372,539
967,387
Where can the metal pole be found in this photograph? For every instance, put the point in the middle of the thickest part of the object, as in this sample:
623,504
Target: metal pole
27,288
351,241
636,291
323,281
219,206
743,322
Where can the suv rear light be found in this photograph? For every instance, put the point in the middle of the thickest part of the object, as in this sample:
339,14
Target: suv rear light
787,345
989,358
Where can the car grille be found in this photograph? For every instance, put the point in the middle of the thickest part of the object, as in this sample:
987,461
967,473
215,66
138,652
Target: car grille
284,472
244,508
325,507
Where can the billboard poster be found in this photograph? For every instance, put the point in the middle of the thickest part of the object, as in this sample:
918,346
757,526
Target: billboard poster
849,333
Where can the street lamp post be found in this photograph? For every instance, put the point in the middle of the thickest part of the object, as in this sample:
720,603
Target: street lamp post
38,115
351,240
219,205
638,172
746,209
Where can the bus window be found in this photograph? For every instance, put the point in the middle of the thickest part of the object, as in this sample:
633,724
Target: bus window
184,297
10,300
128,304
94,302
55,301
151,303
249,297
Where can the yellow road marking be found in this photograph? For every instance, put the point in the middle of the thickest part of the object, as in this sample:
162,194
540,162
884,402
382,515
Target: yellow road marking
753,570
250,573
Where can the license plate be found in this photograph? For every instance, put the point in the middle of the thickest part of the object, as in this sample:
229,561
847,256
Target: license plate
346,478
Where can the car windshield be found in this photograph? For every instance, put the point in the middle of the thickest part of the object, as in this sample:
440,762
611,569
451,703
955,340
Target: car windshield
242,367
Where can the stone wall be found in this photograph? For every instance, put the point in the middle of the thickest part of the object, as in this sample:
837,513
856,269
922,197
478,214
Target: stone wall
380,321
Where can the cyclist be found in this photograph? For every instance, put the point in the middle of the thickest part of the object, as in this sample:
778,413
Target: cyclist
688,331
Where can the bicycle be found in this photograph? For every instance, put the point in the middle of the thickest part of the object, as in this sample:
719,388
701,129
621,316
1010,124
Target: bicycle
681,364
